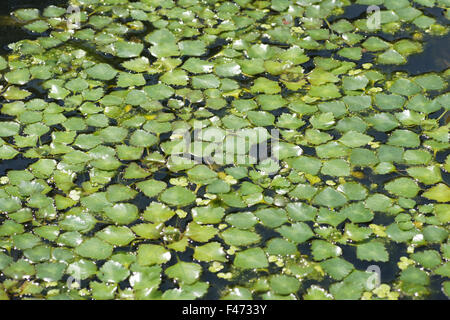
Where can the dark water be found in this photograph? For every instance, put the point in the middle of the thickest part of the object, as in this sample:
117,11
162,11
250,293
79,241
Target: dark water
434,58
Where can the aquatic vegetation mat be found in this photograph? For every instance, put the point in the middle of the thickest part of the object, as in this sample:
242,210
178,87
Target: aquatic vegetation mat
128,165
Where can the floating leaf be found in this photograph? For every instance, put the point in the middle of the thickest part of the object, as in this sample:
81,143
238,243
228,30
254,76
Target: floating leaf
427,258
212,251
404,138
150,254
403,187
322,250
38,26
184,272
265,85
205,82
237,237
19,76
113,271
372,251
178,196
27,14
242,220
125,49
118,236
337,268
192,47
94,248
426,175
122,213
102,71
298,232
330,198
440,193
414,276
282,284
151,188
208,215
391,57
253,258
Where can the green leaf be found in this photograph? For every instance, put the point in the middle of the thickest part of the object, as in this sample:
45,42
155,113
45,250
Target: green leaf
118,192
102,71
330,198
201,174
208,215
372,251
38,26
125,49
253,258
237,237
278,246
27,14
19,269
151,188
355,82
175,77
184,272
427,258
200,233
355,139
113,271
195,65
140,64
19,76
426,175
82,269
122,213
351,53
271,217
440,193
15,93
94,248
298,232
378,202
282,284
317,293
403,187
264,85
205,82
337,268
336,167
345,291
118,236
150,254
326,92
414,276
178,196
430,82
404,87
242,220
212,251
192,47
391,57
375,44
322,250
434,234
306,164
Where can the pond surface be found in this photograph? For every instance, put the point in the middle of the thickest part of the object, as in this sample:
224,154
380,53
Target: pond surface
224,150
